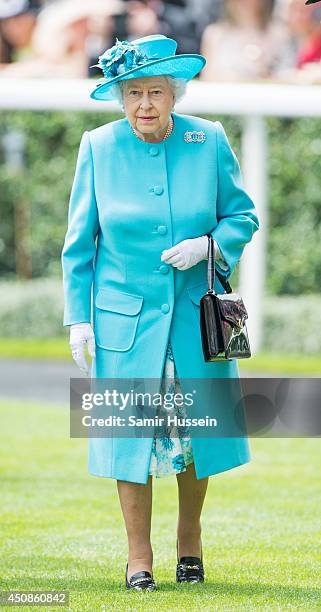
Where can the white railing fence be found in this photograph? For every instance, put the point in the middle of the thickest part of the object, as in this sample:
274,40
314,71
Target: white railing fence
253,102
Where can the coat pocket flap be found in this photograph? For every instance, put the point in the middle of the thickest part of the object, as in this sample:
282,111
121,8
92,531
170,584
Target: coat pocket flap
118,301
196,293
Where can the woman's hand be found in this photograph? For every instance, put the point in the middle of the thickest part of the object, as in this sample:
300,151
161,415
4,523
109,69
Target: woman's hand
81,334
187,253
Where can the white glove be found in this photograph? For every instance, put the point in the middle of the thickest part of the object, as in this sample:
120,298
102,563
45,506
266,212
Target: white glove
187,253
80,334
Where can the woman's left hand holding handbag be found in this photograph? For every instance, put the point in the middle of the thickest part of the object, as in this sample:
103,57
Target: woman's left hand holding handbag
80,335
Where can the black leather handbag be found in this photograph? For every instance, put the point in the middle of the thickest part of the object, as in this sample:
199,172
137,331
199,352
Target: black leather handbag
222,317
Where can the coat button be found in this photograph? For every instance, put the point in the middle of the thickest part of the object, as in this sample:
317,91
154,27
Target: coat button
165,308
158,190
153,151
164,269
162,230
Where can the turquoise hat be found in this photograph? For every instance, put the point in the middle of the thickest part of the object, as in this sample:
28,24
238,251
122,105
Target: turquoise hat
149,56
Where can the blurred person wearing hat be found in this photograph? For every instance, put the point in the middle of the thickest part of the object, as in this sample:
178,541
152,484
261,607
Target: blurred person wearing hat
147,189
17,22
71,27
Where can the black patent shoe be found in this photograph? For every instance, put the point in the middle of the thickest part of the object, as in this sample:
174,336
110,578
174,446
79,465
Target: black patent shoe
140,581
189,569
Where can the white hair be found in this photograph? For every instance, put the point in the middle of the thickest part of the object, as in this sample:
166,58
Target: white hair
178,87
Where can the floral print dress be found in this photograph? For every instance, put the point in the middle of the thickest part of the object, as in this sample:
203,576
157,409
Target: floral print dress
172,447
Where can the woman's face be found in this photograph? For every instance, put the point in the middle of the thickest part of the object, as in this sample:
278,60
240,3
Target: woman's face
148,103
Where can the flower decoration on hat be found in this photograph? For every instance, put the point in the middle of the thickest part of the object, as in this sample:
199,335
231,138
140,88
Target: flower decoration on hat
123,56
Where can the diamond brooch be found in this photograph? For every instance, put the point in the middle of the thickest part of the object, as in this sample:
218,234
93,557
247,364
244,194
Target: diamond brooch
195,136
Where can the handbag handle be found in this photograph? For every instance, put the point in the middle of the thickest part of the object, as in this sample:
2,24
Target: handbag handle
211,269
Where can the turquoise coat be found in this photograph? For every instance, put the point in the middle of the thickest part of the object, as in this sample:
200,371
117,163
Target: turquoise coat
130,200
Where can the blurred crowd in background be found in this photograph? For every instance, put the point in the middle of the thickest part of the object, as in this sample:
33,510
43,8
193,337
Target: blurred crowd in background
242,40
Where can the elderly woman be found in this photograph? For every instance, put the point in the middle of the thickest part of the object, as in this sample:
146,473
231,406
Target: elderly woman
147,190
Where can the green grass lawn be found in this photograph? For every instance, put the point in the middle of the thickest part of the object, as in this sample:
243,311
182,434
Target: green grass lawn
58,348
62,528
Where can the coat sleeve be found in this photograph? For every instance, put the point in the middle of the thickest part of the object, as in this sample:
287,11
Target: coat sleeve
236,213
79,248
219,257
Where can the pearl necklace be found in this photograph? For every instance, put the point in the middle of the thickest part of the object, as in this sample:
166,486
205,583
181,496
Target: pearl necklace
167,133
